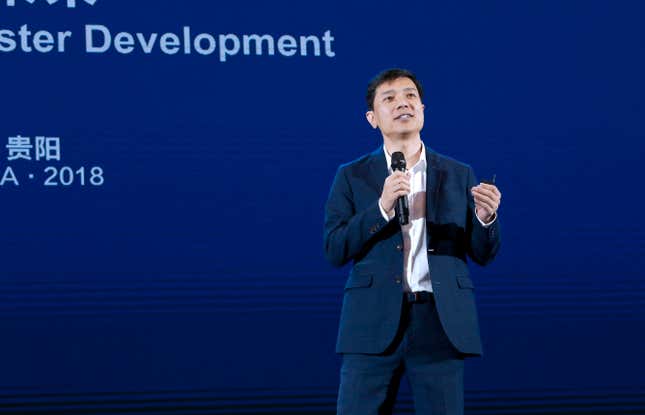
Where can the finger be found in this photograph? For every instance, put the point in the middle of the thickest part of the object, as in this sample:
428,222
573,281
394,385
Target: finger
484,197
399,183
490,187
403,177
399,193
485,192
398,174
392,181
401,188
486,204
402,183
396,181
494,198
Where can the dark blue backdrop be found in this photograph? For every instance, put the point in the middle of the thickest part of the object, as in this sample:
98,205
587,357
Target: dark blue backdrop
193,281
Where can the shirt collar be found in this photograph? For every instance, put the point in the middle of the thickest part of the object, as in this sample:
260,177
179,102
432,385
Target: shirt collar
421,164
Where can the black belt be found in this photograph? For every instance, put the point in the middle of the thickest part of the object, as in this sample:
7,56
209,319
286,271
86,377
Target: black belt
418,297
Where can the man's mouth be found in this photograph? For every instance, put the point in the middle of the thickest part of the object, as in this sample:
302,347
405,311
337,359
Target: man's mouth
404,116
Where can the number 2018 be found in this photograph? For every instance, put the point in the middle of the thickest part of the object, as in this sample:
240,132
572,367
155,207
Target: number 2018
66,176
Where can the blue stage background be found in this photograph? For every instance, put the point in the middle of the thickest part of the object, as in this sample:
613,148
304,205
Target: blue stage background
192,279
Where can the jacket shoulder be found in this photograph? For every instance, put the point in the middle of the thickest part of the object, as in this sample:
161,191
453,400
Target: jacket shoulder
359,164
450,163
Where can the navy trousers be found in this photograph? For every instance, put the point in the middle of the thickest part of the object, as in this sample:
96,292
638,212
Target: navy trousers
421,352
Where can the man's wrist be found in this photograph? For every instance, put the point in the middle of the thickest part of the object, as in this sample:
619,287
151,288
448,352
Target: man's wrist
387,215
488,221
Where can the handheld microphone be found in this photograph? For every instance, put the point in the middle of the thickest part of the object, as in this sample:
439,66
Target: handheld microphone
402,209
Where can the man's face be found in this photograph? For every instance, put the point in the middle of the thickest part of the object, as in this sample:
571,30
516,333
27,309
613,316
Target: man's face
398,110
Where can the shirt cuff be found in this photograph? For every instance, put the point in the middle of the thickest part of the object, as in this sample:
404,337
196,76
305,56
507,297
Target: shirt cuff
485,225
383,213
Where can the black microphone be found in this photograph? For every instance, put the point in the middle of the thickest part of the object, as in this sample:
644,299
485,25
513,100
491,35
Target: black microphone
402,209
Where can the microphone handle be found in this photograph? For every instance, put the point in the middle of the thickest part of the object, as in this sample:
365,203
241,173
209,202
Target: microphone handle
402,210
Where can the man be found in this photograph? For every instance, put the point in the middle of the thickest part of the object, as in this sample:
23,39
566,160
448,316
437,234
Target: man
408,305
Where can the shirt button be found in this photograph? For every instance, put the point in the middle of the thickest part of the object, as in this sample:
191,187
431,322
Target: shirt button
399,247
398,279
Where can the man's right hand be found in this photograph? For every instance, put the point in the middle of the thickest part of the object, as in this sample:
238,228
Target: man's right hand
396,185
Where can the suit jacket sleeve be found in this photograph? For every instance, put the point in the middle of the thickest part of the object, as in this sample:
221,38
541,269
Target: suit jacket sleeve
484,241
346,231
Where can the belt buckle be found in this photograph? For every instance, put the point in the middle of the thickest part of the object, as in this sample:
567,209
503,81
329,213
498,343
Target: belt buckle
413,297
419,297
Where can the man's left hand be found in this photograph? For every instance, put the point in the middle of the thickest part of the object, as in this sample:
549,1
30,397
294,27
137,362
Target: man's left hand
487,198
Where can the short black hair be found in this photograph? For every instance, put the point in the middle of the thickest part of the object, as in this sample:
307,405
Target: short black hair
389,75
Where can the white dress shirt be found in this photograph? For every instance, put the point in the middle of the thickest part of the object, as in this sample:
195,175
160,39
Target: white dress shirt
416,272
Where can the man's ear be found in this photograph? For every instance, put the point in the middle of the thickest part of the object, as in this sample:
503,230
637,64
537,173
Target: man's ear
370,119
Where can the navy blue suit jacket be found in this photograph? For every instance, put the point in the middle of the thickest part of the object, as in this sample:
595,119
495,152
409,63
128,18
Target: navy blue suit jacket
356,231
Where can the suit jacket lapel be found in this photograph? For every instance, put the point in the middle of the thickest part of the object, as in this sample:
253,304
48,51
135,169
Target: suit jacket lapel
378,171
434,175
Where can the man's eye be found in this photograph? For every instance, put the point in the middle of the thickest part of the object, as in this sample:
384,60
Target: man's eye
388,99
412,95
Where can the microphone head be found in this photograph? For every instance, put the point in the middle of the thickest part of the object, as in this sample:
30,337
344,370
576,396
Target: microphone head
398,161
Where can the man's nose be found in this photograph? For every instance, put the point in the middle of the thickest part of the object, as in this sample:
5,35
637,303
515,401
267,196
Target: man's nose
402,103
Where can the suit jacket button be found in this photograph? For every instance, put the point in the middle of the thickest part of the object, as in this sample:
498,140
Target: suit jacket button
398,280
399,247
